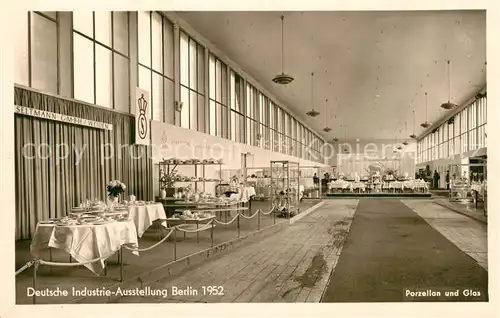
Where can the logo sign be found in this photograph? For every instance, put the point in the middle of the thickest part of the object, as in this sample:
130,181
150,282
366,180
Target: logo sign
142,117
33,112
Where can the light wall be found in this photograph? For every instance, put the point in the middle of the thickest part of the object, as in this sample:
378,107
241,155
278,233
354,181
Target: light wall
170,141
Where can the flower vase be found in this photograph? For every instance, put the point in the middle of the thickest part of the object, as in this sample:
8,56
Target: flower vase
163,194
113,200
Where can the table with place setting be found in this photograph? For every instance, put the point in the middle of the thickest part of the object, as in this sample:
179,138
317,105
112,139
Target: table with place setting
145,213
86,236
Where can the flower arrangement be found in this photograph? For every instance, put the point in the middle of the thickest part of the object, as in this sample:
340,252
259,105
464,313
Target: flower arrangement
168,180
115,188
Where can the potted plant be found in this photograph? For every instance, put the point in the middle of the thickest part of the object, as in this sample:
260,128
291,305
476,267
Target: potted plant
167,182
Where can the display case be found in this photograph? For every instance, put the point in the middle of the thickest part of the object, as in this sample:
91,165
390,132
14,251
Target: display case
468,182
310,178
260,179
285,187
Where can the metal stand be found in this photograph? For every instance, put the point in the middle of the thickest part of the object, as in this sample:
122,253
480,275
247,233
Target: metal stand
238,223
35,270
212,234
258,220
120,257
175,243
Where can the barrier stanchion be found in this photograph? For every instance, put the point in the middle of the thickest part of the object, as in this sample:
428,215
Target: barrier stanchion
274,216
175,243
50,258
120,257
212,234
35,270
258,219
238,224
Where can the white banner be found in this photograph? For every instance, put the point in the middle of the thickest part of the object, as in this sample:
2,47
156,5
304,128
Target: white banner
142,117
33,112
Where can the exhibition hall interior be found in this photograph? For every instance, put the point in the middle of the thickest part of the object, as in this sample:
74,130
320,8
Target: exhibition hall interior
250,156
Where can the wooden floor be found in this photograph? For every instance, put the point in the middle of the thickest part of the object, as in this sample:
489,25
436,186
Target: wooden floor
291,266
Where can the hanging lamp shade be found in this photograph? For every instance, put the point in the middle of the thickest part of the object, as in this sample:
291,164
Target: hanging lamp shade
326,129
283,78
335,139
448,105
413,136
312,112
425,124
405,143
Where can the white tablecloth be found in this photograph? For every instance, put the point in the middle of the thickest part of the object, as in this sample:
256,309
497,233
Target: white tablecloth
244,194
85,242
144,215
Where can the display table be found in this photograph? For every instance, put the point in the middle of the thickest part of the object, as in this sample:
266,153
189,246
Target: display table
86,242
144,216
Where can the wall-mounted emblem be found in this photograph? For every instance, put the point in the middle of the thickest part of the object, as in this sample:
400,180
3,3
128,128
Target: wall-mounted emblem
142,117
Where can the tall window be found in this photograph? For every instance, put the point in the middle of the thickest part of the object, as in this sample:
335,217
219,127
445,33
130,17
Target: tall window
237,96
101,58
36,53
253,116
192,78
156,62
265,120
218,112
467,132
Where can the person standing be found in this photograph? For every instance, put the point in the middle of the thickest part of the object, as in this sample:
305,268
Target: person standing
436,179
447,179
316,180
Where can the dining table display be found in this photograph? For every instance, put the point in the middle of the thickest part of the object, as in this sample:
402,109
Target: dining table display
87,235
97,229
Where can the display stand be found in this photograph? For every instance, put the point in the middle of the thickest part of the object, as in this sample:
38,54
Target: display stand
168,166
285,187
468,183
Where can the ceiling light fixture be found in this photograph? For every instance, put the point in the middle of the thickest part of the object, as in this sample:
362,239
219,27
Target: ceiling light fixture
283,78
326,129
312,112
426,124
413,136
406,130
449,105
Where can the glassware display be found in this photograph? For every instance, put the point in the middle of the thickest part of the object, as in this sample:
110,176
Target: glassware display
285,187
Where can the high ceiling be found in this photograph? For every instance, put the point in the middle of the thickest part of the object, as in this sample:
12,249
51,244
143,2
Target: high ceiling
373,66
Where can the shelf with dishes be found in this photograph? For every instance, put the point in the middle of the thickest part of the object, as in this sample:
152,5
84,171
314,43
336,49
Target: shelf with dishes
169,176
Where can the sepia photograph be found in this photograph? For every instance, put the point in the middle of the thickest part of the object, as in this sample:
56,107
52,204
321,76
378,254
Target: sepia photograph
279,156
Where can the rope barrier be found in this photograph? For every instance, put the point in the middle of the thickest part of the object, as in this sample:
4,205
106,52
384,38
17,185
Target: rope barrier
150,247
271,211
25,267
250,217
205,226
43,262
223,223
